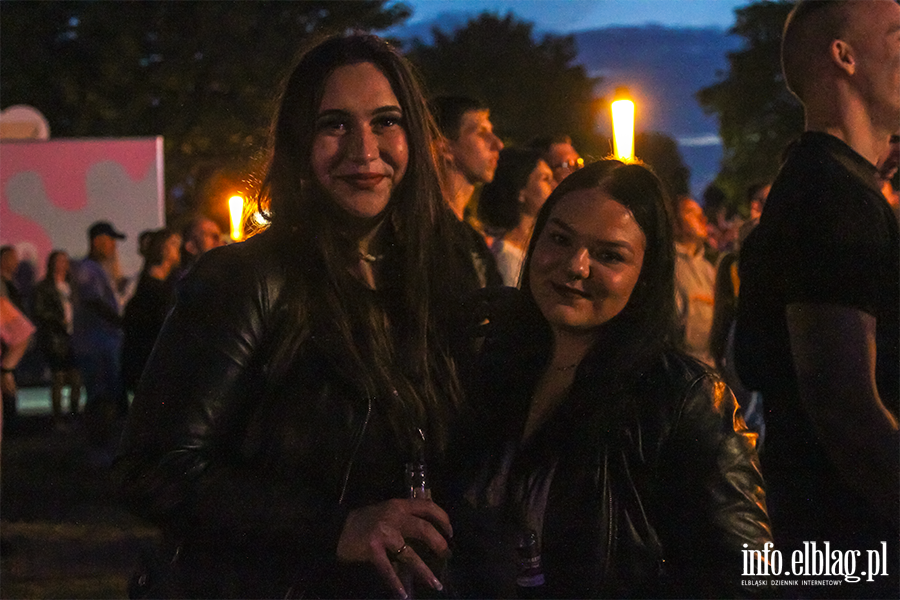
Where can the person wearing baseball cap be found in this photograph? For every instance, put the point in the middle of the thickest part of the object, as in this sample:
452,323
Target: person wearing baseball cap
97,339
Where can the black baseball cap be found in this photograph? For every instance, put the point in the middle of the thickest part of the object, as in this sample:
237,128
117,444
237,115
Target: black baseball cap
104,228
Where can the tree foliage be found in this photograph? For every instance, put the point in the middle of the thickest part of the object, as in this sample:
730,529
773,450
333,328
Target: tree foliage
661,152
202,74
532,88
758,117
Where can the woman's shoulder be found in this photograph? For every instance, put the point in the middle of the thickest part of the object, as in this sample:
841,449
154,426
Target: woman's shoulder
694,392
675,380
250,271
240,263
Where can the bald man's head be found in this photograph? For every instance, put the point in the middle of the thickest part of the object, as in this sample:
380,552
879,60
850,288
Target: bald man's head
808,32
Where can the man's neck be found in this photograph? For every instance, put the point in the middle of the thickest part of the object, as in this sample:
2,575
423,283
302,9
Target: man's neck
691,246
851,122
460,190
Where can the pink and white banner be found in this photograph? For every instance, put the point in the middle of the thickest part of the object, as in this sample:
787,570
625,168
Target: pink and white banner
51,192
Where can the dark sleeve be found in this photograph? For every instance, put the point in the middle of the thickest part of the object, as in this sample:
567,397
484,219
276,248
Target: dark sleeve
836,238
181,463
711,475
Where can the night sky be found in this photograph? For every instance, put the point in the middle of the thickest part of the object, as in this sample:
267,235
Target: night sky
576,15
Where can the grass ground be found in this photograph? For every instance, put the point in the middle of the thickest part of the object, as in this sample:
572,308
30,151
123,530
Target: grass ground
62,533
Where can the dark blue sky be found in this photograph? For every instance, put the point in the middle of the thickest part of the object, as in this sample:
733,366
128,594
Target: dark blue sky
568,16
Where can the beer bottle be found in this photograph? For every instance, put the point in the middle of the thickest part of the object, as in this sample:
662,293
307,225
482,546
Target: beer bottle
530,578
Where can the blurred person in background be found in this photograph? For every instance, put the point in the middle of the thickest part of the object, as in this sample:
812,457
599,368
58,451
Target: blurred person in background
509,204
695,279
97,335
15,335
54,316
150,304
559,154
469,151
199,236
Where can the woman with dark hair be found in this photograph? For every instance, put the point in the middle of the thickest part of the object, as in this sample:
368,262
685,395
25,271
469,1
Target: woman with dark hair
623,459
509,204
53,310
301,371
147,309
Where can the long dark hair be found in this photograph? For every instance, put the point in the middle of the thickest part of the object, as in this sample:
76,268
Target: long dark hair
392,344
51,265
498,203
647,323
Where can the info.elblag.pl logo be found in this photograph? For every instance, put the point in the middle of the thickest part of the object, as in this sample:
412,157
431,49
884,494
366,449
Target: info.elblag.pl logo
815,562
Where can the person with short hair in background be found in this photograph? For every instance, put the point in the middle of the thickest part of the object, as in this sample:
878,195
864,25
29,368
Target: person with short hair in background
147,309
818,326
559,153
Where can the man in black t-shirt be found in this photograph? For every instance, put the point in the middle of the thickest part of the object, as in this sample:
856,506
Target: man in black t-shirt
818,326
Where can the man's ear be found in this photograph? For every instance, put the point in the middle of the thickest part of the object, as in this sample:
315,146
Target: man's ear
442,146
190,247
841,54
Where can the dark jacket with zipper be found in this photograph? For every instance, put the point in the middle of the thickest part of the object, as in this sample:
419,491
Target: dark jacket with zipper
250,473
649,489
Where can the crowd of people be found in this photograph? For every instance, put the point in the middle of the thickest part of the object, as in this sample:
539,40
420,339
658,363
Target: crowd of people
455,368
93,327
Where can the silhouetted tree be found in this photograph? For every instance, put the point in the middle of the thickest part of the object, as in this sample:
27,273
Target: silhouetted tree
533,88
758,117
661,152
202,74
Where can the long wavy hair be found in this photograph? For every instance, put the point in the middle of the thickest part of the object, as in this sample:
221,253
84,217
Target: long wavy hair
646,326
393,344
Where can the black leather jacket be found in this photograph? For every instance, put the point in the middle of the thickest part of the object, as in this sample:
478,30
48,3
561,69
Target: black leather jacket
251,473
650,492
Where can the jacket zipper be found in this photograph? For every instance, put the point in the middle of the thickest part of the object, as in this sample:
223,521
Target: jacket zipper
356,445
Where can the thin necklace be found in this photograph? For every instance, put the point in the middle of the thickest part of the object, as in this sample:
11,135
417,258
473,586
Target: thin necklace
566,368
369,258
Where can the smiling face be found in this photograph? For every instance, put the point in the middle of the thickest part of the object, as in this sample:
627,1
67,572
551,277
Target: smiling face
586,261
359,152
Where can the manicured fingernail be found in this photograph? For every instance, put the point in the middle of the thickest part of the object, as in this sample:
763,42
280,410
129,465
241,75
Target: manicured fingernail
403,595
437,585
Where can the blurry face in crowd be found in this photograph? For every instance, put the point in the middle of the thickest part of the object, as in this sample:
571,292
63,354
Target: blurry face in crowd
104,246
563,160
586,261
61,266
759,201
692,221
359,152
537,190
204,237
172,250
476,151
8,262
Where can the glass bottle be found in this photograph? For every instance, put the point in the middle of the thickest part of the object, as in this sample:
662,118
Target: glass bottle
419,487
530,577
